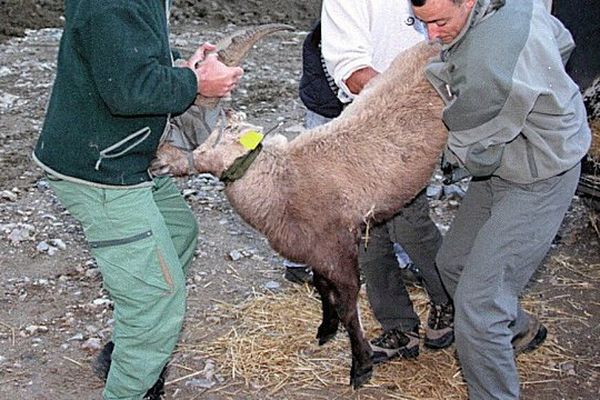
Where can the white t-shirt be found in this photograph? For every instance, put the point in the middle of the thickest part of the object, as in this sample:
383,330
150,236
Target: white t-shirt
365,33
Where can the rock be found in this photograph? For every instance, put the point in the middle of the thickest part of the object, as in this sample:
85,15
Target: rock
91,329
235,255
101,302
42,185
78,337
454,192
200,383
8,195
92,273
58,243
272,285
42,246
434,192
5,71
7,100
34,329
208,381
568,368
93,344
453,203
23,232
189,192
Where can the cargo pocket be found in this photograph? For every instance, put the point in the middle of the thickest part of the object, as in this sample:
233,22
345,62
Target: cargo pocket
129,265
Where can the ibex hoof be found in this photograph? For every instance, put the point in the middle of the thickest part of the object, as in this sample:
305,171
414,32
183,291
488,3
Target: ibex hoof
360,376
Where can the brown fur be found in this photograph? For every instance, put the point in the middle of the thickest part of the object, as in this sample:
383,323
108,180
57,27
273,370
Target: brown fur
311,197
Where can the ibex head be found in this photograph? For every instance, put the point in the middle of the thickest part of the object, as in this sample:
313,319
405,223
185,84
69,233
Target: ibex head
230,148
187,131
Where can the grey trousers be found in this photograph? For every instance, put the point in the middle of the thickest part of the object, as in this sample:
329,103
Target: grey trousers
415,231
501,233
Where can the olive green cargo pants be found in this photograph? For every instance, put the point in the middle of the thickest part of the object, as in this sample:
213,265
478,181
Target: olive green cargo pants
143,239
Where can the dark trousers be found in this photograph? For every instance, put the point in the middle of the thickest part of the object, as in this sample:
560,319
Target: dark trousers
414,230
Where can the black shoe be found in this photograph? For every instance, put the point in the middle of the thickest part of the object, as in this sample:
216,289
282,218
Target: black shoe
101,366
531,339
158,390
395,343
439,333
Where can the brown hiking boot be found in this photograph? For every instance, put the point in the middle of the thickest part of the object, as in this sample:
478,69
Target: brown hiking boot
439,332
395,343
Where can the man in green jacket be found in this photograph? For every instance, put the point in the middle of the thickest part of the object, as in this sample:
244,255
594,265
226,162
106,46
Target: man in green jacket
518,125
114,91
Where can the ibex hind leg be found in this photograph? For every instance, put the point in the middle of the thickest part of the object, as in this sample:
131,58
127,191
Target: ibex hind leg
346,287
362,364
330,323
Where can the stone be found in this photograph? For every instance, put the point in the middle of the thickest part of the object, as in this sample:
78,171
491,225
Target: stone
235,255
272,285
58,243
42,246
8,195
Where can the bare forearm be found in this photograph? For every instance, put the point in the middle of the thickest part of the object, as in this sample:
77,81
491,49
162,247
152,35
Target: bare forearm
359,78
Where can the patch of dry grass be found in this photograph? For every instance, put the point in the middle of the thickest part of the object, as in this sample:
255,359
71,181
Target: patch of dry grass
271,350
594,151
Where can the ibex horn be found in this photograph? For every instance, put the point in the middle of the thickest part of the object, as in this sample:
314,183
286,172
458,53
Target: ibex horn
233,48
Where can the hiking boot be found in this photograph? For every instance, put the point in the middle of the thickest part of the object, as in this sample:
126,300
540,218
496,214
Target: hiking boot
439,333
531,339
297,273
101,366
395,343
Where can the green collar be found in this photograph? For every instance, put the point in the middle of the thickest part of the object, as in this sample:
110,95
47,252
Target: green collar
240,166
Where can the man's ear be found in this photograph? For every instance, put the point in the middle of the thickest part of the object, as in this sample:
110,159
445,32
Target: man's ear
470,4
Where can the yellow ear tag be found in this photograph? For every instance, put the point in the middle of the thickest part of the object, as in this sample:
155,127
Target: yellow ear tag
251,139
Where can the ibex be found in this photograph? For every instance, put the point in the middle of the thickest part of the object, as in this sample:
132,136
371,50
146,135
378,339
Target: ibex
312,197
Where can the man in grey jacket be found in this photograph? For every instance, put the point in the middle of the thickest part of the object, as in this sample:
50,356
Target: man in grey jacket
518,125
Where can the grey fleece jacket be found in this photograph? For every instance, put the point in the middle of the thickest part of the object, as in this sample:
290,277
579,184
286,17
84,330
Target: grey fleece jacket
511,109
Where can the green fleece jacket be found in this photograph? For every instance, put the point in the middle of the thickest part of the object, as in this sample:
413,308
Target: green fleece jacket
511,109
114,89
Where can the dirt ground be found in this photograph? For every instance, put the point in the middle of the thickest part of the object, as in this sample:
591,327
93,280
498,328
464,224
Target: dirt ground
55,316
